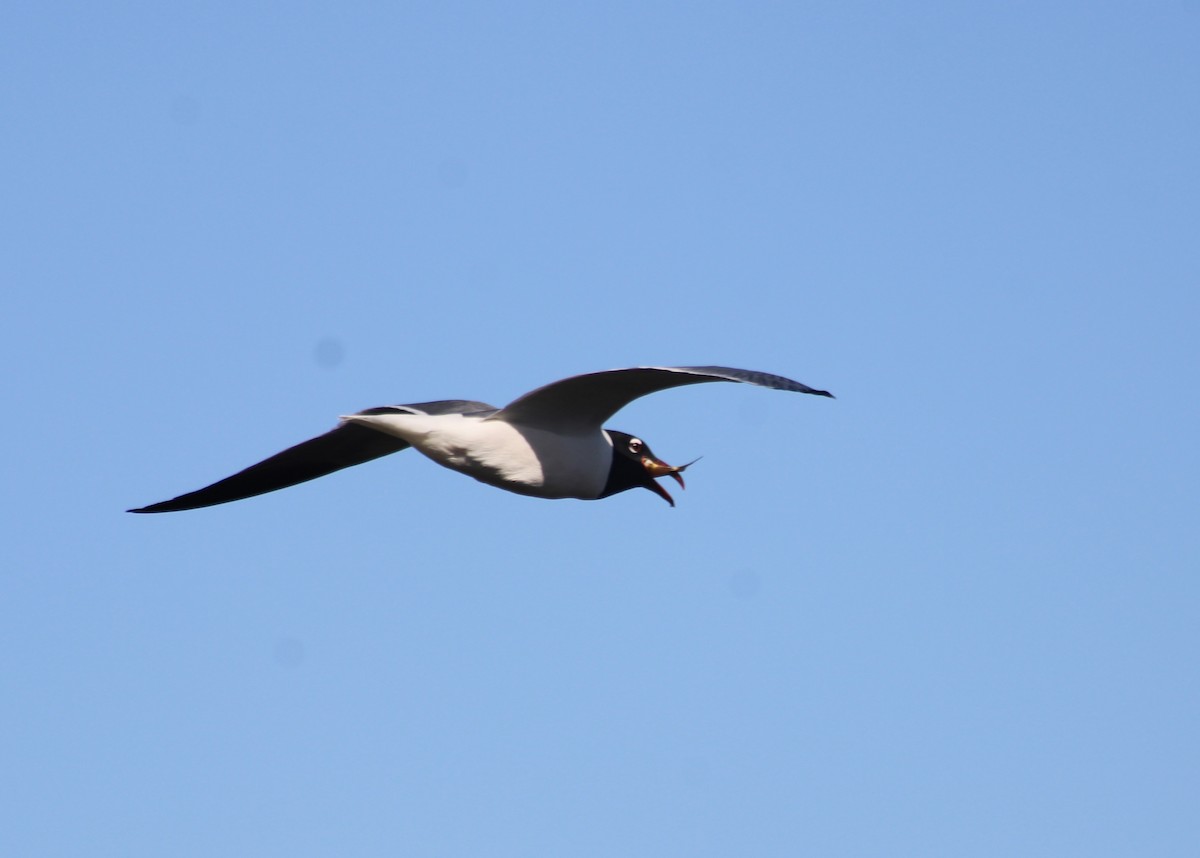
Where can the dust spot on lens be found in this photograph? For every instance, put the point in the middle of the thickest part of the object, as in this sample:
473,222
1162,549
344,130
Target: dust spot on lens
744,584
329,353
185,110
289,652
452,173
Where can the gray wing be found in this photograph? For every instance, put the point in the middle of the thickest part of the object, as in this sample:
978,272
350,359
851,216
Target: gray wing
348,445
582,403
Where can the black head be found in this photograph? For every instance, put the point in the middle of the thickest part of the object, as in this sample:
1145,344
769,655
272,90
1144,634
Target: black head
634,466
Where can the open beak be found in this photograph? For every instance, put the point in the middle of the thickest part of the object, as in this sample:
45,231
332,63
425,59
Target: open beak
657,468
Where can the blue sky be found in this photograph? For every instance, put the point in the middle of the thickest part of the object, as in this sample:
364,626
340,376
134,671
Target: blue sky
952,612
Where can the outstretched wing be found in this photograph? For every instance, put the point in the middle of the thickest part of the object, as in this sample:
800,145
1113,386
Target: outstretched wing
582,403
348,445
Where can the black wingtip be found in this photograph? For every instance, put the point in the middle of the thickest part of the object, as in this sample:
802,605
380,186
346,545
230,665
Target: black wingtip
178,504
174,505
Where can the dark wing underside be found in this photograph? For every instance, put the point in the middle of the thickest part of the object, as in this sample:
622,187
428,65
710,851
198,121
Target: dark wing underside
345,446
583,403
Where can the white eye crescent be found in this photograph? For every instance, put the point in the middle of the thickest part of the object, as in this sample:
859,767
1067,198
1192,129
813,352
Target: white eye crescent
635,445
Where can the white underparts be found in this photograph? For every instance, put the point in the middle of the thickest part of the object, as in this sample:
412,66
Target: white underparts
520,459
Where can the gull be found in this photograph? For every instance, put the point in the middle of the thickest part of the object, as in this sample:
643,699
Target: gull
548,443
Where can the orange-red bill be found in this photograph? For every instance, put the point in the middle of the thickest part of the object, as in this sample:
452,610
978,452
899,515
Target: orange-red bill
656,468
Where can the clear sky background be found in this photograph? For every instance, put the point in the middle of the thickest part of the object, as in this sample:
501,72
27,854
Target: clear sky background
955,611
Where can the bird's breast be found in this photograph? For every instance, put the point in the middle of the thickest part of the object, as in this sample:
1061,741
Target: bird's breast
521,459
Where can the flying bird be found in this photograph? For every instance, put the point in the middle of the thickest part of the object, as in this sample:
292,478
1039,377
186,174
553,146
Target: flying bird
548,443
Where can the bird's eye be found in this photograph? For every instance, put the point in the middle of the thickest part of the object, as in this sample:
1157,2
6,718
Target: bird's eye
635,445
